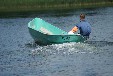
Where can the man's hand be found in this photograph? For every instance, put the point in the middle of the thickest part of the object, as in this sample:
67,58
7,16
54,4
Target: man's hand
75,29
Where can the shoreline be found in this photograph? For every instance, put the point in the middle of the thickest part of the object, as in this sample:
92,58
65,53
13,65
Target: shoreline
18,11
54,7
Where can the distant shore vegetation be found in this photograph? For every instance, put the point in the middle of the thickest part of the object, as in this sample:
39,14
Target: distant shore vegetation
38,5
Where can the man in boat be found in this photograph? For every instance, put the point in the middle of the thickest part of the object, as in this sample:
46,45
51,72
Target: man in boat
83,26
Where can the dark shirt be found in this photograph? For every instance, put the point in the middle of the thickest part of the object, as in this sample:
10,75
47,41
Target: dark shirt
84,27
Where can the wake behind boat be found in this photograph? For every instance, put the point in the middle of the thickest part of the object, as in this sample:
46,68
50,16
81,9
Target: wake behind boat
45,33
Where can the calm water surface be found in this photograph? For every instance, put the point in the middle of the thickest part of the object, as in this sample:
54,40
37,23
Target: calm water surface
20,56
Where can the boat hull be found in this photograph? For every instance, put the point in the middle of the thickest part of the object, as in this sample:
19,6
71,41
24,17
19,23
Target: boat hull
45,33
54,39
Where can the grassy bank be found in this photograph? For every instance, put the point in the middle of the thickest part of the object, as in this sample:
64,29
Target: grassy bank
39,5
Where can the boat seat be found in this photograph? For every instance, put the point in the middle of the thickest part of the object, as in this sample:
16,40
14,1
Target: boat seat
45,31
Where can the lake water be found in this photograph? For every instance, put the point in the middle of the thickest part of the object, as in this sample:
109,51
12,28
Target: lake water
20,56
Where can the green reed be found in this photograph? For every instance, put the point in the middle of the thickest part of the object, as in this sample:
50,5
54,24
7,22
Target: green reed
35,5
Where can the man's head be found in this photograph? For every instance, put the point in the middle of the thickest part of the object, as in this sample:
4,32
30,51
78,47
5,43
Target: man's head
82,16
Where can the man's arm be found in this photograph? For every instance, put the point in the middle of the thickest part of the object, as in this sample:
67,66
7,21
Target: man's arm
75,29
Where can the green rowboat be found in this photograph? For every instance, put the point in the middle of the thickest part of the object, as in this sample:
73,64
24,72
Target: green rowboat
45,33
